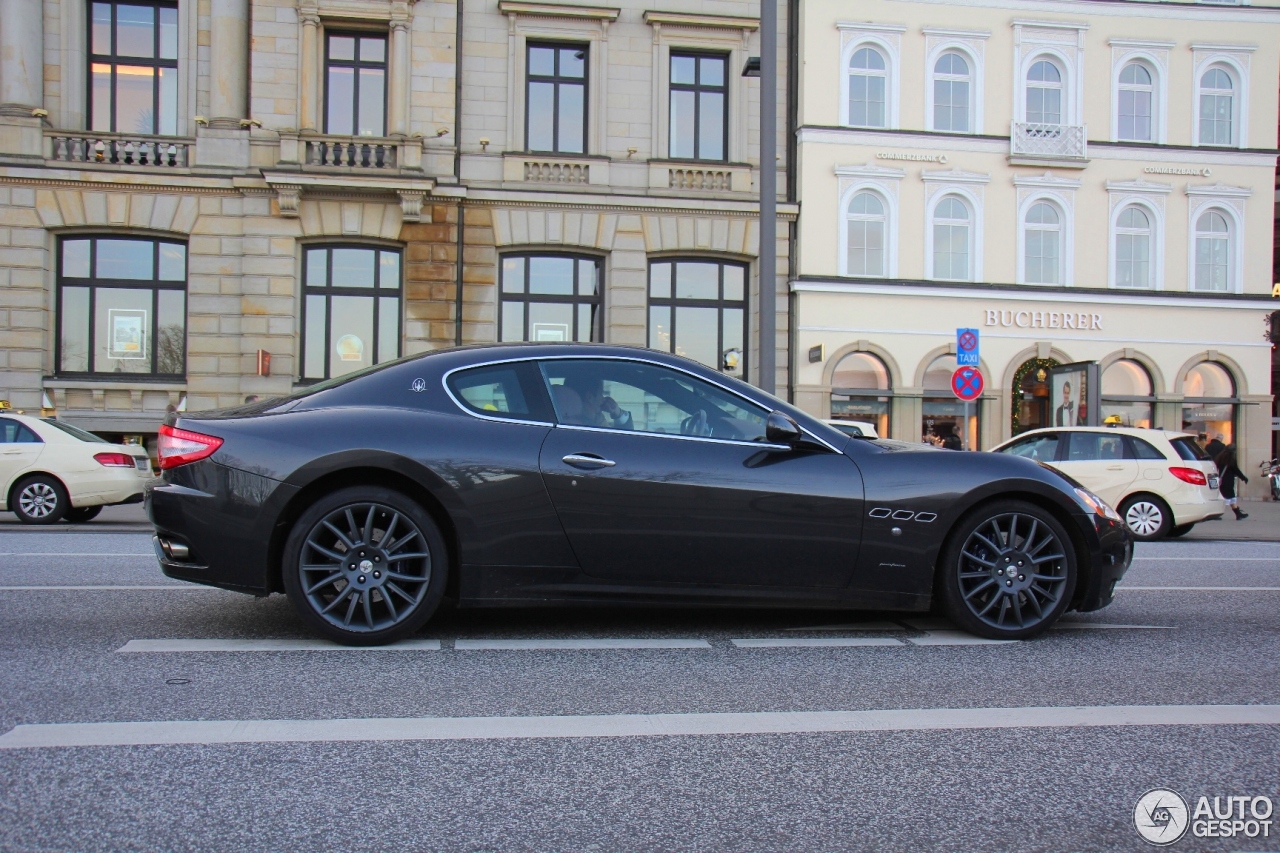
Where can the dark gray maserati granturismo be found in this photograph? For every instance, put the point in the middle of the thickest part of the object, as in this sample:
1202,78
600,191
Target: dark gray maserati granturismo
531,474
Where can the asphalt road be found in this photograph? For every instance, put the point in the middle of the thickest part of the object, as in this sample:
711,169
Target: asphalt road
671,737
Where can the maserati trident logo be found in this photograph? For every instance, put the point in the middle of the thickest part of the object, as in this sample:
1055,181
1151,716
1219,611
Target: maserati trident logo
418,386
1161,816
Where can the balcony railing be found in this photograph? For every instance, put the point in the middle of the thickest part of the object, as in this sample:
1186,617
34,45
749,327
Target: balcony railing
1048,141
371,154
161,152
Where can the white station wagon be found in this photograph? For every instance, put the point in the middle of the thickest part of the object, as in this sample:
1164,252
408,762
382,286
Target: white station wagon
50,470
1162,482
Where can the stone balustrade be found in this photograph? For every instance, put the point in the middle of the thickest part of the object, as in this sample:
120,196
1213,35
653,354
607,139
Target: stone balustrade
118,149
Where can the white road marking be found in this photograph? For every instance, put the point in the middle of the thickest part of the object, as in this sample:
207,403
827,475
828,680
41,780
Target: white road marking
1203,588
151,554
814,642
578,645
105,586
1275,559
1084,626
232,645
854,626
954,638
627,725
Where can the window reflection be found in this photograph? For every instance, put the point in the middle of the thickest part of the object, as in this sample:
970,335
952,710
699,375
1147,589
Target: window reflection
697,309
355,84
550,298
133,67
351,309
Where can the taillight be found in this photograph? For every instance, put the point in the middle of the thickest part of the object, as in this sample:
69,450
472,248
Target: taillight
1189,475
114,460
182,447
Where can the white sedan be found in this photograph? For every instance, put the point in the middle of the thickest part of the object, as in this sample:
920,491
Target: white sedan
50,470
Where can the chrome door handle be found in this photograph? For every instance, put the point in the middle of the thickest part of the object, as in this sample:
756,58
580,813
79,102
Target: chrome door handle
1115,467
584,460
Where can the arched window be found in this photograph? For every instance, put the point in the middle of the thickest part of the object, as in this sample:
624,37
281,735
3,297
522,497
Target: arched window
860,391
1217,93
1137,91
1044,93
1133,248
951,229
867,87
1043,245
951,89
941,414
1127,394
1209,402
866,224
1213,252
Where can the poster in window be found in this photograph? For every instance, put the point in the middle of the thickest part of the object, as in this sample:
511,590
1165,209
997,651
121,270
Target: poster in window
550,332
350,348
1073,394
128,333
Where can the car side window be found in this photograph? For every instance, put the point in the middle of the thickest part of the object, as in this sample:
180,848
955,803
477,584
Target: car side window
1041,448
501,391
629,395
1095,447
12,432
1143,450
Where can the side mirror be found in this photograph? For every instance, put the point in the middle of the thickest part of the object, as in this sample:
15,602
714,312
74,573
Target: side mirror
781,429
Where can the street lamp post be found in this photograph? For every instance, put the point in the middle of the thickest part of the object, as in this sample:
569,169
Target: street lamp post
768,194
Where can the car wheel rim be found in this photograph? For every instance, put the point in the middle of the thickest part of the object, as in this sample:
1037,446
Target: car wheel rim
38,500
1144,518
1013,571
364,567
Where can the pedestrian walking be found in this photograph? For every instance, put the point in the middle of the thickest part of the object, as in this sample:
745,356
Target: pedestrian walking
1228,473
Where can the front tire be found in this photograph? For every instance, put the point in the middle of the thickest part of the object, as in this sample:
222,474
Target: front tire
40,499
1007,572
365,566
1147,517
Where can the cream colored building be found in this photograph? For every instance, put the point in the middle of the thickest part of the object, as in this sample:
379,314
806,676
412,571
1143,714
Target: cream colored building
1082,182
190,186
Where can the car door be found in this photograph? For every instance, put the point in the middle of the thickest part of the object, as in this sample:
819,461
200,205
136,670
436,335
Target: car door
1101,461
660,477
19,449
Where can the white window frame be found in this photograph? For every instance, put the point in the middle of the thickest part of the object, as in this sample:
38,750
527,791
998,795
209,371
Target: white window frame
887,39
972,46
931,93
885,184
1234,59
1060,42
1230,202
1152,198
1063,86
869,74
970,187
1060,192
1154,55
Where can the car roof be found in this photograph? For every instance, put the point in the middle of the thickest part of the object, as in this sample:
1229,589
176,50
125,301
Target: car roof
1137,432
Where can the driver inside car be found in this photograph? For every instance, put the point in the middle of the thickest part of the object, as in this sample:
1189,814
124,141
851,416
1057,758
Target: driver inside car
597,409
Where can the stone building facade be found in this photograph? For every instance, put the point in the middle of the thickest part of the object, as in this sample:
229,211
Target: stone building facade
207,200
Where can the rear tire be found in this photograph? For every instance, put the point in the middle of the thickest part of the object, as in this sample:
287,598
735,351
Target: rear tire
1180,530
1008,571
1147,517
365,566
81,514
39,499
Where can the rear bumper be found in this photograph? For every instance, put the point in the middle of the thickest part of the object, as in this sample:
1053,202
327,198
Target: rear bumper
107,487
1110,552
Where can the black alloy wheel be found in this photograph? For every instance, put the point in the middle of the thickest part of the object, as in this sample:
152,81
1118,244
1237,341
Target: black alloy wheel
39,499
81,514
1008,572
365,566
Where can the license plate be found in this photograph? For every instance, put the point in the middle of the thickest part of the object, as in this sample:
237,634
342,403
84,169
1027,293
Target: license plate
143,464
1213,482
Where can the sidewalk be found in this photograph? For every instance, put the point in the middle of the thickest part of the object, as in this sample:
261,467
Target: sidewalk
1262,525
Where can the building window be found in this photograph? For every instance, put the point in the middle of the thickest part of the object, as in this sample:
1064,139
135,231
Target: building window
1127,394
1217,93
350,309
556,99
1133,248
1136,96
868,83
951,87
699,106
1213,252
942,415
355,84
122,307
951,231
698,309
550,298
866,224
1044,93
1043,245
1209,402
861,391
133,68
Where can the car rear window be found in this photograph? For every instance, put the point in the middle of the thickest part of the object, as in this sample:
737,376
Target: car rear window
75,431
1143,450
499,391
1187,449
1095,447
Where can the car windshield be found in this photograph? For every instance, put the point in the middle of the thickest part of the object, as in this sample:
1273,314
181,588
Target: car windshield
848,429
74,431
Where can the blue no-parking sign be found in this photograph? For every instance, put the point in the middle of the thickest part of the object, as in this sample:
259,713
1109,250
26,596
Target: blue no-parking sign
967,348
